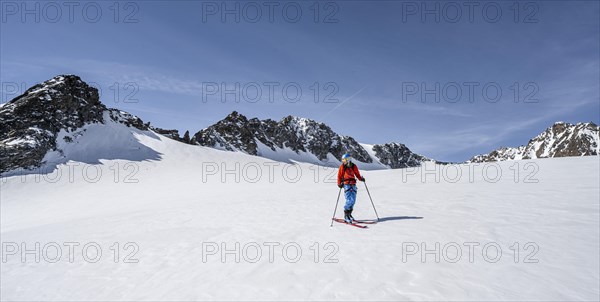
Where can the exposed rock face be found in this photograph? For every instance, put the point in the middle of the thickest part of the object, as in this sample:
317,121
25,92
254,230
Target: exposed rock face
564,139
170,133
398,155
30,122
128,119
560,140
501,154
236,132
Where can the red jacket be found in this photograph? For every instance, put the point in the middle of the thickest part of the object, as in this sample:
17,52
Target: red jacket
349,174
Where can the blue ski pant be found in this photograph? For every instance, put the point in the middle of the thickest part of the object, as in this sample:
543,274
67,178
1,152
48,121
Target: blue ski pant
350,194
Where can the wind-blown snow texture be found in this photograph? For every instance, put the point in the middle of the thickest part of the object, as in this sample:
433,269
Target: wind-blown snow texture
178,197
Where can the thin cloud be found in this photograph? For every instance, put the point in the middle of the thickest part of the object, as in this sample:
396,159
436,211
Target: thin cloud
343,102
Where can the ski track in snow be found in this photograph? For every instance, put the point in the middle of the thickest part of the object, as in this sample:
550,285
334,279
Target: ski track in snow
170,212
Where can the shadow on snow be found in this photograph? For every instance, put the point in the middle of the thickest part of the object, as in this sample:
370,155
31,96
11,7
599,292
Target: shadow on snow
391,218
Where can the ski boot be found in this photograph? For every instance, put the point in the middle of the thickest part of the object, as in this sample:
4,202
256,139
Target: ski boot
347,216
350,215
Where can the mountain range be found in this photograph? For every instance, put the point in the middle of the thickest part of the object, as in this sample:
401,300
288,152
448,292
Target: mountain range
560,140
53,114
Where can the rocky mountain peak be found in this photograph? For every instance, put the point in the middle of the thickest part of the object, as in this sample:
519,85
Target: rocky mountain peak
238,133
236,117
559,140
302,136
397,155
564,139
64,101
29,123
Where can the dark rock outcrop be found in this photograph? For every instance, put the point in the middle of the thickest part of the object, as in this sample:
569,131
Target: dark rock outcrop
397,155
238,133
29,123
560,140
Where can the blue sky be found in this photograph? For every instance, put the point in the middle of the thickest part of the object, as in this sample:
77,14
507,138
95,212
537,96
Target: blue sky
366,61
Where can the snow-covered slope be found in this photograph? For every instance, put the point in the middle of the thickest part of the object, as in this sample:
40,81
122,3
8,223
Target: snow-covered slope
560,140
177,215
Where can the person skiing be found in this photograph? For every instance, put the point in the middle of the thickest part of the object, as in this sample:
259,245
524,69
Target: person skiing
347,176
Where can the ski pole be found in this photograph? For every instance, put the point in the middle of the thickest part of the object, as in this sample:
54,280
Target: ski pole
371,200
336,204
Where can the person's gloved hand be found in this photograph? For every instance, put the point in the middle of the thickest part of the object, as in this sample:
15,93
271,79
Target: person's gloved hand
340,186
362,179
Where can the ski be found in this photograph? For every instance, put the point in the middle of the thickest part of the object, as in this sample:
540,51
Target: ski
365,221
352,224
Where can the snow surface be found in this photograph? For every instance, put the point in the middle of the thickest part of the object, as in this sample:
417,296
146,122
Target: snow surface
97,141
166,198
48,85
287,155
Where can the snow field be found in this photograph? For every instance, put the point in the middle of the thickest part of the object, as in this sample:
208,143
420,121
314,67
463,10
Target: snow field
172,223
